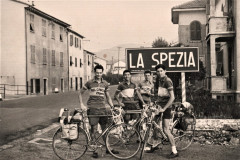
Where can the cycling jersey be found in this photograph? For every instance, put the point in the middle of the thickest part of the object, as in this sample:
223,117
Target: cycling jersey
97,93
127,91
145,90
162,87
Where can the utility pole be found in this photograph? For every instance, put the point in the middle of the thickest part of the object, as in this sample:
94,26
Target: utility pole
118,59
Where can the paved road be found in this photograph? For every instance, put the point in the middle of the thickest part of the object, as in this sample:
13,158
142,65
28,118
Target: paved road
20,117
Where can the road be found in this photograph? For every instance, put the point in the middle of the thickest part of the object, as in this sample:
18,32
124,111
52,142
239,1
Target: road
21,117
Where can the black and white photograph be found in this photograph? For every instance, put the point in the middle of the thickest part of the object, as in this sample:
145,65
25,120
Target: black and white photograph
119,79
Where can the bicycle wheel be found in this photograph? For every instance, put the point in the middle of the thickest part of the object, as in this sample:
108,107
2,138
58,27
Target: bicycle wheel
67,149
183,138
145,140
142,127
125,139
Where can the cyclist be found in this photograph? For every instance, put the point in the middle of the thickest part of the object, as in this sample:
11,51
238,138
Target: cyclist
128,89
96,103
163,90
146,87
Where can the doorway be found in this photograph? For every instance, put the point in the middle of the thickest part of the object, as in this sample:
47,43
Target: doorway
37,81
45,86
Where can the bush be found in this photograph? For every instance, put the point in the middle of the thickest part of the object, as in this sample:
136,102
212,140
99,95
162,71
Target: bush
113,79
206,107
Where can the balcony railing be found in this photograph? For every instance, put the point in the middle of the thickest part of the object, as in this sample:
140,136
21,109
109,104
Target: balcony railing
219,25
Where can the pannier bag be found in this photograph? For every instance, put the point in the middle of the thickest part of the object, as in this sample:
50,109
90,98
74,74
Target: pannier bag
69,131
69,128
186,116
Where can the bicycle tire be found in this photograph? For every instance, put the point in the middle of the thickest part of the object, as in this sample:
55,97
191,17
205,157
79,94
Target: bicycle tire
67,149
145,140
125,139
183,139
142,127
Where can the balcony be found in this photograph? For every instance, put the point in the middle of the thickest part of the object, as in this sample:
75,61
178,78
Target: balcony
220,25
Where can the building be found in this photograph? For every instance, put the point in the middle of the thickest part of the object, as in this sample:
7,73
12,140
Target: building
109,66
223,49
88,65
34,52
119,67
101,61
191,20
76,68
222,37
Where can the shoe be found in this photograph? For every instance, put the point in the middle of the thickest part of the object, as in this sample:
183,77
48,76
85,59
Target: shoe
95,155
113,151
172,155
152,150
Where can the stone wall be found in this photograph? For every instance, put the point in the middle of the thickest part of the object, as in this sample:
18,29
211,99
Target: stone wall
216,124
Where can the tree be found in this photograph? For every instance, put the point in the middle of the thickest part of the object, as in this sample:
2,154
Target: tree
160,42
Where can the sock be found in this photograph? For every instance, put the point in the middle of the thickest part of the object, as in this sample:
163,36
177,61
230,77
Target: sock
174,150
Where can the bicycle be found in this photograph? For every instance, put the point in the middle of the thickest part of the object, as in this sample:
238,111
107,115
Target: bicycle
118,136
183,138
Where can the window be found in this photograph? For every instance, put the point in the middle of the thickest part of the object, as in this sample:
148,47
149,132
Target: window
88,60
31,22
44,56
71,62
195,29
61,59
80,62
44,25
53,58
76,42
71,83
71,40
75,62
32,54
80,44
53,31
61,34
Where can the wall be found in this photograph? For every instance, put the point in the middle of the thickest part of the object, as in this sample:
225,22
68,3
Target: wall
38,70
75,52
13,49
185,18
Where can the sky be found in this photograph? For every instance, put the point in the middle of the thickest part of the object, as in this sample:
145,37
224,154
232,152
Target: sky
109,23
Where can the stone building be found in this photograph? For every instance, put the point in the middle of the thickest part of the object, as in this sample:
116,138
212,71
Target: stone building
33,49
76,68
223,49
88,65
191,20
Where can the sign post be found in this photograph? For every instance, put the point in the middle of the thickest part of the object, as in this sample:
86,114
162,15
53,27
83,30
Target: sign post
176,59
183,87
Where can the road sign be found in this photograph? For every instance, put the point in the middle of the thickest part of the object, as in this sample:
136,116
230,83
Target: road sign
176,59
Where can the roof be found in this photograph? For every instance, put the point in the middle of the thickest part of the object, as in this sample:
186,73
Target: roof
75,33
192,4
188,6
88,52
47,16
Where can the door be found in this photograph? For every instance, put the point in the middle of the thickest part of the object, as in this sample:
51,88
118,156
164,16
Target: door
62,85
80,82
76,83
45,86
37,85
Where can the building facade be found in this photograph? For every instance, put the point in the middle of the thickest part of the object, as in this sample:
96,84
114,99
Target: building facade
223,49
191,20
76,68
38,58
119,67
88,64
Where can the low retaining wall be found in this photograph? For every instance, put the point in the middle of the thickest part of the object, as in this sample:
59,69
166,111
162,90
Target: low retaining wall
216,124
